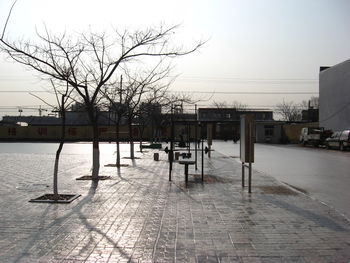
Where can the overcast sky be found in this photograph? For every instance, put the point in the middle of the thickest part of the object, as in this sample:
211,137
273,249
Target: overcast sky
255,46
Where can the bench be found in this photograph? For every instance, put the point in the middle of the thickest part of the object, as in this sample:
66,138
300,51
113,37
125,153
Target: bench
186,162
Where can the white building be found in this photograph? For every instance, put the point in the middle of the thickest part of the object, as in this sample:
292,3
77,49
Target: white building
335,97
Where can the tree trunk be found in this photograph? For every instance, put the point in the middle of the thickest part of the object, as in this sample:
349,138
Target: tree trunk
153,135
58,152
118,145
140,138
55,172
95,152
141,145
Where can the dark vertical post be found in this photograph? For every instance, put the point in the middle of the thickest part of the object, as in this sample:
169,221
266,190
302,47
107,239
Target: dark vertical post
202,159
250,157
243,179
188,137
195,138
250,178
209,137
171,155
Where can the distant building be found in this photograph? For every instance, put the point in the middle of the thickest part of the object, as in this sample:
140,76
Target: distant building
78,118
335,97
6,123
32,120
310,115
226,122
232,114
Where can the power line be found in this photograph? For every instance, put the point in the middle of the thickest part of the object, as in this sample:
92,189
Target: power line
253,92
16,79
203,92
22,91
253,80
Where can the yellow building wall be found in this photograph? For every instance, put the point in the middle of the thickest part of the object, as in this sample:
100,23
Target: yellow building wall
83,133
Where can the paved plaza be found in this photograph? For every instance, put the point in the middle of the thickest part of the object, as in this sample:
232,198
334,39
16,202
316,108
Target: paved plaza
139,216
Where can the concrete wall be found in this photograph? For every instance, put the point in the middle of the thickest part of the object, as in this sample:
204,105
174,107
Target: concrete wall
335,97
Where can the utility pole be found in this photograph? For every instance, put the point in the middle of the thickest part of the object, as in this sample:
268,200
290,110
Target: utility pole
196,136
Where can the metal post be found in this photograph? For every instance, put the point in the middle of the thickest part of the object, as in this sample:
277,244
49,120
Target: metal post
209,137
250,157
195,146
188,137
250,178
195,139
243,179
202,160
171,153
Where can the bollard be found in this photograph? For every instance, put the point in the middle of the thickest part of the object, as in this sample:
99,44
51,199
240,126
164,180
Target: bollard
156,156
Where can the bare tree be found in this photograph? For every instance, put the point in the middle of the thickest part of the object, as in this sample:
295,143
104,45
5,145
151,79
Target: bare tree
289,111
235,104
113,94
156,104
138,89
239,105
89,61
137,97
312,103
62,97
220,104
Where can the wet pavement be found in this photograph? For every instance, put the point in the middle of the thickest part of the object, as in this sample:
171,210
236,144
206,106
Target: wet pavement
139,216
321,173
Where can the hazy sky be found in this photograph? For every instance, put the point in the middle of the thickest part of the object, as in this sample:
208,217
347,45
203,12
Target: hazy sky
255,46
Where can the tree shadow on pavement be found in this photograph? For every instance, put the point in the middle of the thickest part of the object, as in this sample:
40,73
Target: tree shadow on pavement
62,220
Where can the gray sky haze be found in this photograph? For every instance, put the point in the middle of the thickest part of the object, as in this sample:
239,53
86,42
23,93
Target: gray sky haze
259,51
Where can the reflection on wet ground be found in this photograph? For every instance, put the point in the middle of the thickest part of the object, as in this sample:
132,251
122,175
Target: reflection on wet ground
139,216
321,173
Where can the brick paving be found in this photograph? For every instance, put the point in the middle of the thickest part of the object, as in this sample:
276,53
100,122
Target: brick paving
139,216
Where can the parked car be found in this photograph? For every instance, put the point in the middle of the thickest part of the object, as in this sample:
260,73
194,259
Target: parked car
311,135
339,140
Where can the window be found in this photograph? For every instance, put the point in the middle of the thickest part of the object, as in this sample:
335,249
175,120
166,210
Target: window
72,131
42,131
269,130
12,131
102,130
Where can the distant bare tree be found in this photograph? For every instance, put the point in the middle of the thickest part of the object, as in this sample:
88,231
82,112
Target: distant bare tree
289,111
313,103
239,105
133,92
160,97
88,61
220,104
113,94
235,104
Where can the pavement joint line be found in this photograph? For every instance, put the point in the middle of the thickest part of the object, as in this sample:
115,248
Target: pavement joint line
138,216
